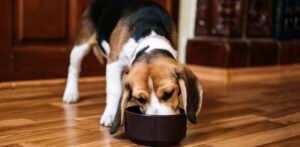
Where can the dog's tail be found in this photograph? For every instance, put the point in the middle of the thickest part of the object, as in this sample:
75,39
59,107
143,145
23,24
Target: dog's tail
87,28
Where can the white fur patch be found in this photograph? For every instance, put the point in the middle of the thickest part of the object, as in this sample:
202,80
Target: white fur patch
71,94
113,92
127,52
105,46
157,108
131,48
154,42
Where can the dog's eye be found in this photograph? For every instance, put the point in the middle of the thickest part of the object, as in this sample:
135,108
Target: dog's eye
140,100
167,95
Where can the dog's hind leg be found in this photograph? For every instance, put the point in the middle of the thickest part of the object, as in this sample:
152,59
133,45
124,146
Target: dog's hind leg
84,43
71,94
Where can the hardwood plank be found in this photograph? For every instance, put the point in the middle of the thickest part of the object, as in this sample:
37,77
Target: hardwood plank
239,114
13,145
294,141
209,117
261,137
39,135
90,139
15,122
288,119
227,123
202,138
38,126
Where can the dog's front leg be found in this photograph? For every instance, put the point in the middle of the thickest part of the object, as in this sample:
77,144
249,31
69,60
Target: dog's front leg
113,92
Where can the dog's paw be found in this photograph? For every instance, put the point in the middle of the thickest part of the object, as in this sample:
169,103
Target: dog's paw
108,116
106,120
71,96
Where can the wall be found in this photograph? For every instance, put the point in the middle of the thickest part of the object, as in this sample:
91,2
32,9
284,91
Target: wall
186,25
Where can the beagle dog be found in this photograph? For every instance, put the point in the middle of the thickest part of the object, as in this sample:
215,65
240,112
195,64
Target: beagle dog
139,40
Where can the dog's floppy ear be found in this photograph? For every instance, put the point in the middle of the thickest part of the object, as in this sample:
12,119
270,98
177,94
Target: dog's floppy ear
191,92
119,117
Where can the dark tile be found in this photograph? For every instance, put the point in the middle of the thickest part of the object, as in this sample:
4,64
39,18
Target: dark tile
217,53
285,53
296,51
207,53
238,54
263,53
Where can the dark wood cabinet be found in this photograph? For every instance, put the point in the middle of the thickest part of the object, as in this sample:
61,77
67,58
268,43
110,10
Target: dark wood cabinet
242,33
259,18
219,18
234,18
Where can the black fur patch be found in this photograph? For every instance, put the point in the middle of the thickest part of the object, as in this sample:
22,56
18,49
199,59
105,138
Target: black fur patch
141,16
139,55
161,53
193,99
146,57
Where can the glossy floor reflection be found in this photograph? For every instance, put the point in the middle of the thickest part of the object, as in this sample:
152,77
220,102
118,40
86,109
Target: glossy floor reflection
261,113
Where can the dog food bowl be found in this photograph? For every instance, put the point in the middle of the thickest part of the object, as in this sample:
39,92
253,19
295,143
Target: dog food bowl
154,130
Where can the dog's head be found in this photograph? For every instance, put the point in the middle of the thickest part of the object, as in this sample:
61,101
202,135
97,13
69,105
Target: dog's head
159,85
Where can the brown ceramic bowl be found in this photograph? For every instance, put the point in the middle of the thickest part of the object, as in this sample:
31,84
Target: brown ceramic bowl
154,130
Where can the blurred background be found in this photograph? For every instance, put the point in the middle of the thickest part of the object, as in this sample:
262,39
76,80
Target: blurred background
36,36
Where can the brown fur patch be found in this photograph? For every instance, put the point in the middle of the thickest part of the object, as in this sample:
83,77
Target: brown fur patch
87,34
92,40
164,80
86,28
137,78
119,37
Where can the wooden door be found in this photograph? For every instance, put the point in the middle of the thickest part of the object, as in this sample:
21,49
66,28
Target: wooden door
43,38
37,36
5,40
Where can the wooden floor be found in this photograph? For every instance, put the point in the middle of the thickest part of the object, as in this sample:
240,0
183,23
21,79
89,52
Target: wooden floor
262,113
